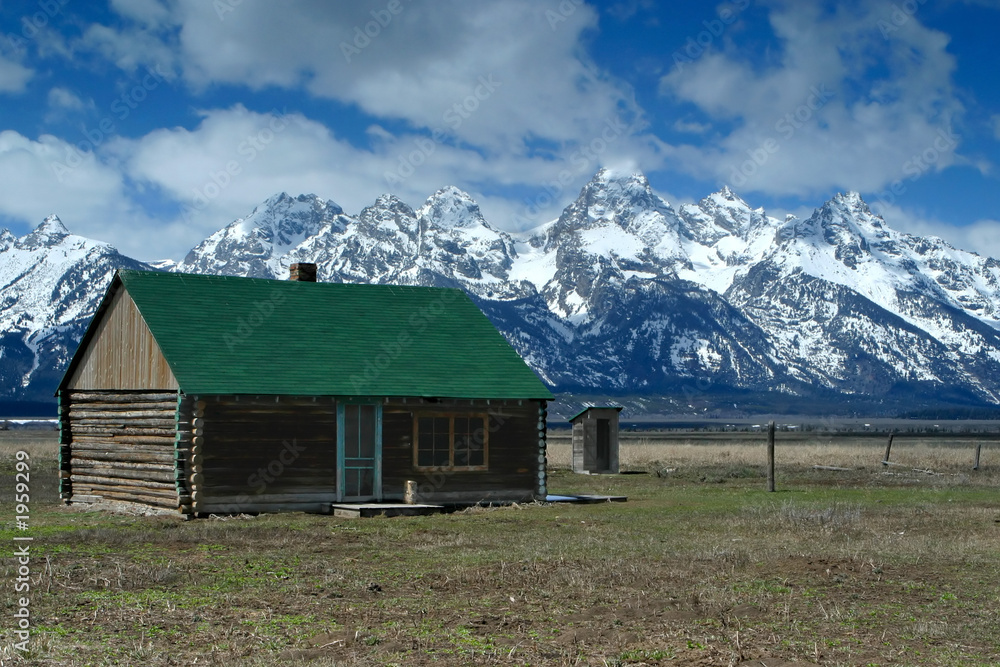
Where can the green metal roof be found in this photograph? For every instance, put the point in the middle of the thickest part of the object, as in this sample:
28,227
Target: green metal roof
228,335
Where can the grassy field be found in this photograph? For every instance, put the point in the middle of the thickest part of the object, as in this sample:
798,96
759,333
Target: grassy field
868,566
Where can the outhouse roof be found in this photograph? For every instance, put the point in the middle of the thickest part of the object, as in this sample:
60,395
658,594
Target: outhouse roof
616,408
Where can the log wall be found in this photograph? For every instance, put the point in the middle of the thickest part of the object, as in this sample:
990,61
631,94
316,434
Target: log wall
262,454
516,453
118,446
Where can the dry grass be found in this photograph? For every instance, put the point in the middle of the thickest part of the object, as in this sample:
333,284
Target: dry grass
700,567
40,444
650,452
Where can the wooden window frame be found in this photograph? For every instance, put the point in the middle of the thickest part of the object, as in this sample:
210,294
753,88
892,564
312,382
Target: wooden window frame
451,416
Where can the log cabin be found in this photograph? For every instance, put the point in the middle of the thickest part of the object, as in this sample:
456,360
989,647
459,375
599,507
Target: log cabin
218,394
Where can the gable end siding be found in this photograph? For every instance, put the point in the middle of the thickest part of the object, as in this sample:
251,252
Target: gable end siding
122,353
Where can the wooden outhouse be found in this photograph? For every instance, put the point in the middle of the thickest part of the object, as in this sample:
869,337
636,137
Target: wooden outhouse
212,394
595,440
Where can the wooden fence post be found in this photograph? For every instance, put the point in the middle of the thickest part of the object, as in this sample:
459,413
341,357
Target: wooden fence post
770,456
979,447
888,448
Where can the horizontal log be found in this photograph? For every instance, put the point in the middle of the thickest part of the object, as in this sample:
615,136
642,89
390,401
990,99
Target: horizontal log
145,399
161,475
131,482
84,498
240,483
232,496
258,458
130,445
80,415
105,487
165,503
271,422
136,457
80,429
93,411
118,397
118,408
85,464
126,422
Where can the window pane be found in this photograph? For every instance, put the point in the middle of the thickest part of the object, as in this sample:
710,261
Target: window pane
441,457
441,445
366,431
351,483
445,442
351,430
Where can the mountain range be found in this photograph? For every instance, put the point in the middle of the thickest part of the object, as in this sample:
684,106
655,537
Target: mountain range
707,308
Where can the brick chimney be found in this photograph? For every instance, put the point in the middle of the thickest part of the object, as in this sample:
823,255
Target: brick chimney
303,272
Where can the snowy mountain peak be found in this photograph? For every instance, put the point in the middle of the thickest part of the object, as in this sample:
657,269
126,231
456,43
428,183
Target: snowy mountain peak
851,204
49,233
615,187
611,175
254,245
850,214
7,239
451,208
51,227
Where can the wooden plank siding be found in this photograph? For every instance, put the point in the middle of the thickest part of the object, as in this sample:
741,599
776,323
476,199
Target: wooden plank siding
263,454
512,468
122,353
118,446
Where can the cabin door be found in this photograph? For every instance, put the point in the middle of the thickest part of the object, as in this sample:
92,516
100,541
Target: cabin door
359,451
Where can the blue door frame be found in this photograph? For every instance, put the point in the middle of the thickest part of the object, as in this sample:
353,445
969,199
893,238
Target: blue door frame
359,451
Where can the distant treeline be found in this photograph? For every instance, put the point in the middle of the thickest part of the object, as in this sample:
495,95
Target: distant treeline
984,412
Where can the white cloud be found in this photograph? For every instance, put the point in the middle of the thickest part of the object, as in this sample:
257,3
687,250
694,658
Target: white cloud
129,49
52,176
13,76
471,70
151,13
691,127
839,107
64,98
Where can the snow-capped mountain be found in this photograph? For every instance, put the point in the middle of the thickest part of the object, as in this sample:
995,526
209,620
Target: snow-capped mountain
622,294
51,282
254,246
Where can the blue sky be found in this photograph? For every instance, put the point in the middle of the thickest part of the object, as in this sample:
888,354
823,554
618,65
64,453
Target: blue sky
152,123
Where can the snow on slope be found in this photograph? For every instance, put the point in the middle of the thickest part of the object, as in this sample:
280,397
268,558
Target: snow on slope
622,292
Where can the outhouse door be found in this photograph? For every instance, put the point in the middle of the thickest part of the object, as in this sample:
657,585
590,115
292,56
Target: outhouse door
603,445
359,452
